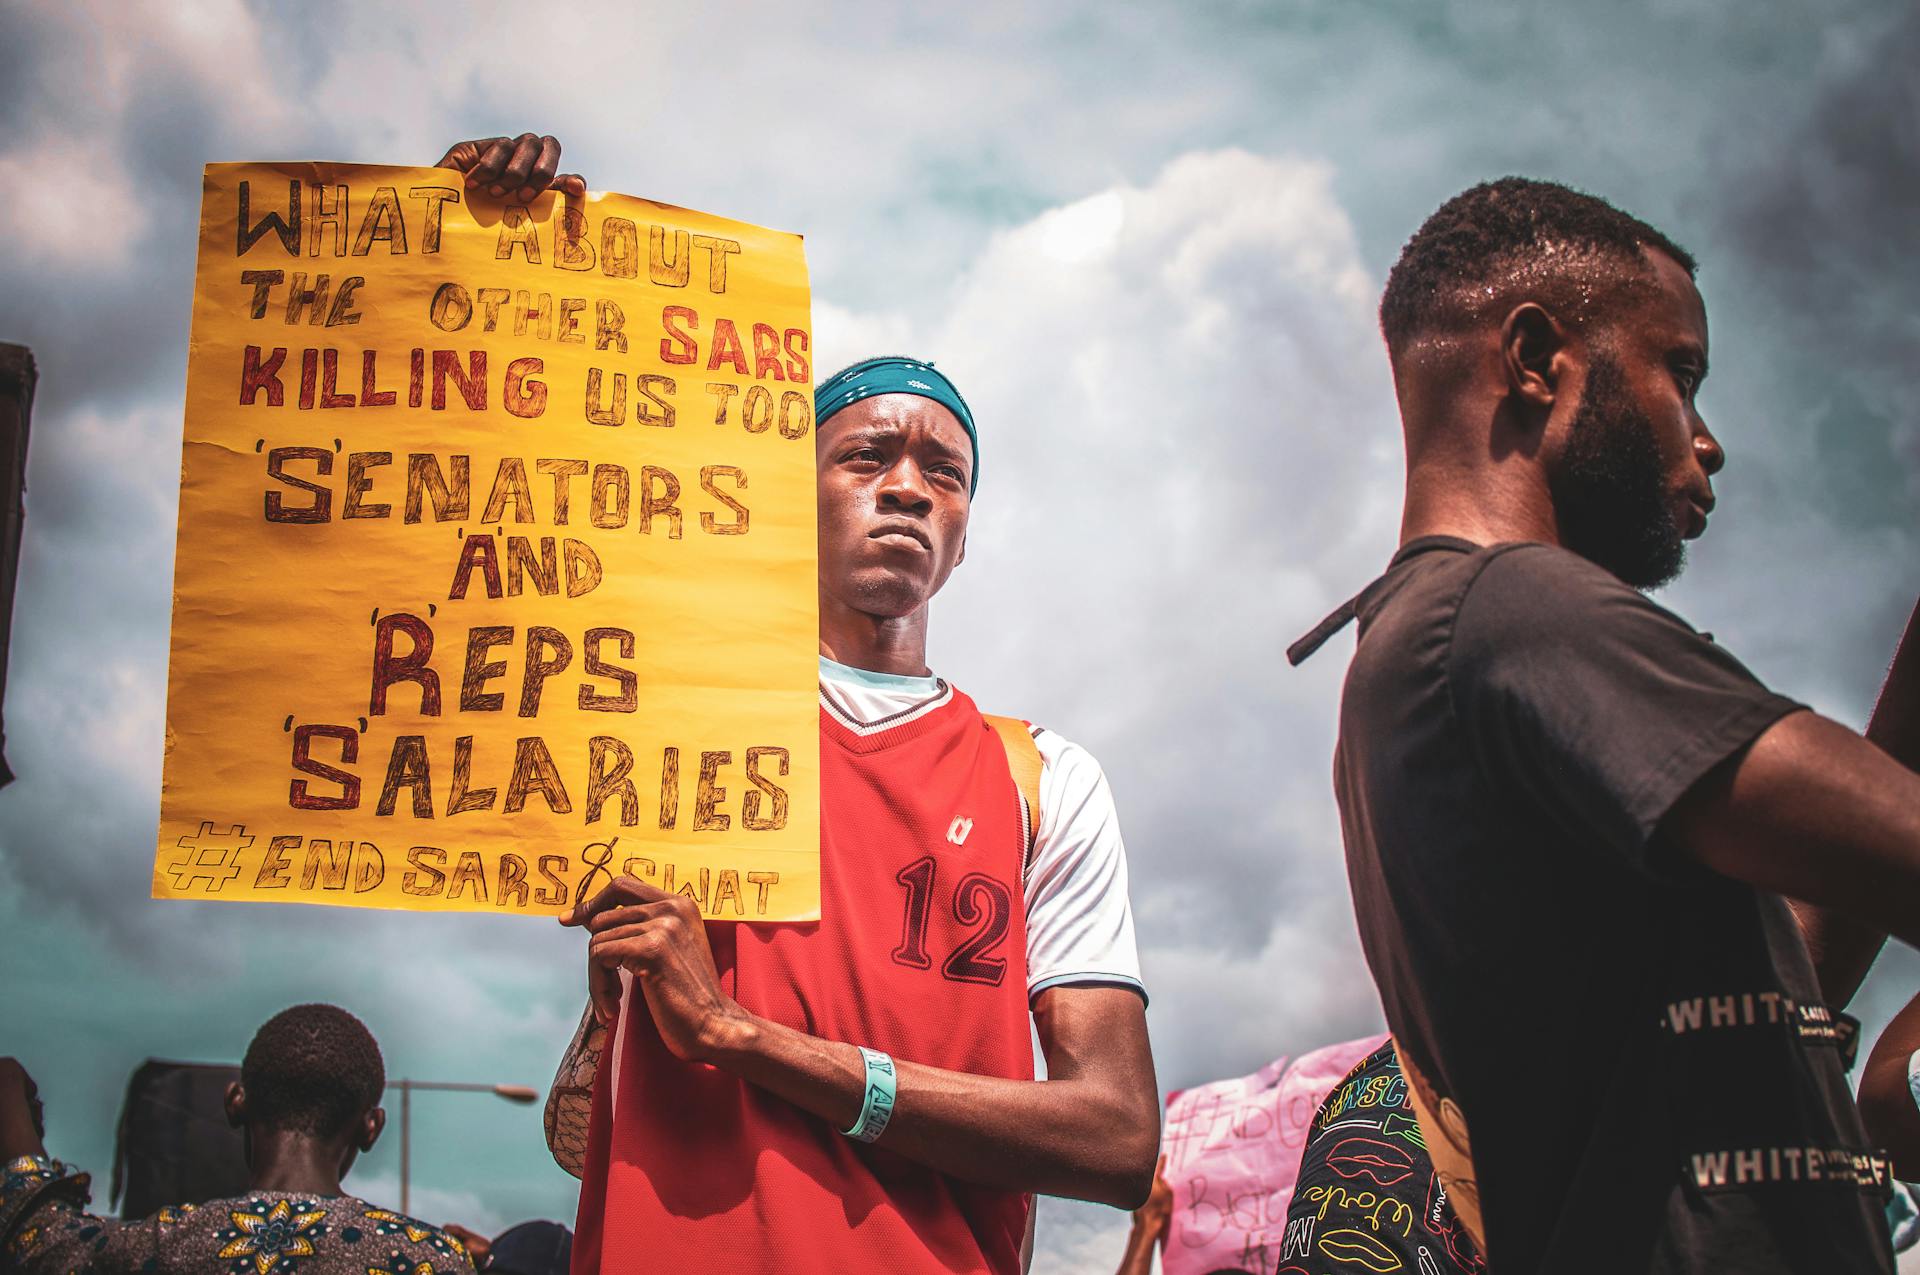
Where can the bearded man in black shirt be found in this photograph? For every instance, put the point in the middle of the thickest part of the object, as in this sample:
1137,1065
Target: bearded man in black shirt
1571,819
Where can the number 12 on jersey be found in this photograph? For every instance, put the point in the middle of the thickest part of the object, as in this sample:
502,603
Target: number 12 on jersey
978,901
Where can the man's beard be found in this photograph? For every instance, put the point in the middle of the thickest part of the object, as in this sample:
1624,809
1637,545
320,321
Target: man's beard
1610,492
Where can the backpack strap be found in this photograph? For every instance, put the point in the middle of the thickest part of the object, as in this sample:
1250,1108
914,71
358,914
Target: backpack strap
1023,760
569,1113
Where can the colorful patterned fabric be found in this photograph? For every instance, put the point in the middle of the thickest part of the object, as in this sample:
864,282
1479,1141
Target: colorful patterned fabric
1367,1201
44,1227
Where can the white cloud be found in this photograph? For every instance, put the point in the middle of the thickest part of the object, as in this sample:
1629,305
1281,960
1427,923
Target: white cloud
71,192
1171,380
1082,233
841,336
215,43
44,180
1171,488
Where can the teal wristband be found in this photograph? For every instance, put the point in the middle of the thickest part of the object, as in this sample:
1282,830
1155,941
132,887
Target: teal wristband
877,1107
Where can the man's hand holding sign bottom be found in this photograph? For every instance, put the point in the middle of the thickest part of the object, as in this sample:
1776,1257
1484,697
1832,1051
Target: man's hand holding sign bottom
660,939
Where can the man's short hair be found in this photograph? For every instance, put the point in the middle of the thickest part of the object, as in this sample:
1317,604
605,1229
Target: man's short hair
312,1069
1478,245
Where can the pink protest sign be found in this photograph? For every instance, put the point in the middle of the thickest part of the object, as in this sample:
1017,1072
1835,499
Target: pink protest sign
1233,1152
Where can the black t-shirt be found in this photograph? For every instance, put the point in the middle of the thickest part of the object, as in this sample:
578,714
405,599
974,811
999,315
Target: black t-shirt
1626,1052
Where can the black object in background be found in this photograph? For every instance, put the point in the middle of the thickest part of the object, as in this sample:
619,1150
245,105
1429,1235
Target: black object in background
532,1248
174,1145
17,379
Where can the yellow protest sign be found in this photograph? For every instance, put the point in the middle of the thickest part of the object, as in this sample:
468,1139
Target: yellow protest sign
496,553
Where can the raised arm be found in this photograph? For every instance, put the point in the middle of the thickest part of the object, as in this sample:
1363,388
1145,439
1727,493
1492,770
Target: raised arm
1887,1104
1089,1131
20,1122
1817,813
1842,947
44,1225
1149,1228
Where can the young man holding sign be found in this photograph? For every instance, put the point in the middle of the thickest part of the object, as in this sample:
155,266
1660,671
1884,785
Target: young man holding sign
858,1094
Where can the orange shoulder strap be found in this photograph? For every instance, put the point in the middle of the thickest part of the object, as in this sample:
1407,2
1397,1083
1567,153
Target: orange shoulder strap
1023,759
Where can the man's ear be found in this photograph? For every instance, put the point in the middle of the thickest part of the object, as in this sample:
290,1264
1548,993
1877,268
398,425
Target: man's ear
1534,347
236,1104
370,1126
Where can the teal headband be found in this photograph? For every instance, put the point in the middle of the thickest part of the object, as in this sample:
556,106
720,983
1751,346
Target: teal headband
892,374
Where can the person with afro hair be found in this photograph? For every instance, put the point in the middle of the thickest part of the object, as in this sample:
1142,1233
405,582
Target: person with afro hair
307,1103
312,1069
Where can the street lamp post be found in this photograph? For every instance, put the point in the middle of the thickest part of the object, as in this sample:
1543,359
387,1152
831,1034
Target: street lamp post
512,1093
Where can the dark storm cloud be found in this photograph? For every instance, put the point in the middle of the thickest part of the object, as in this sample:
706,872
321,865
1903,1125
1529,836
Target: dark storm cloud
1838,209
1806,213
1828,227
108,327
25,61
1820,216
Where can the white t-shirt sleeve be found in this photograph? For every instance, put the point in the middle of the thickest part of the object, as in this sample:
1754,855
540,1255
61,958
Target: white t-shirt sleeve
1079,922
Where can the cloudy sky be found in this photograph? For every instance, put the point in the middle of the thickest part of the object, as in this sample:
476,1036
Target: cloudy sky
1147,241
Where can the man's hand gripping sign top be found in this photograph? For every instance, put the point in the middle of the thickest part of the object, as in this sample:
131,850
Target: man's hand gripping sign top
496,559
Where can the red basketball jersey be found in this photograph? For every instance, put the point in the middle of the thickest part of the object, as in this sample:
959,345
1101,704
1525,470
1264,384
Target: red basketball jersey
920,951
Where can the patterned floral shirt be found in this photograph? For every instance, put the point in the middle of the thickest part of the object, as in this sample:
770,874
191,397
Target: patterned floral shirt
44,1227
